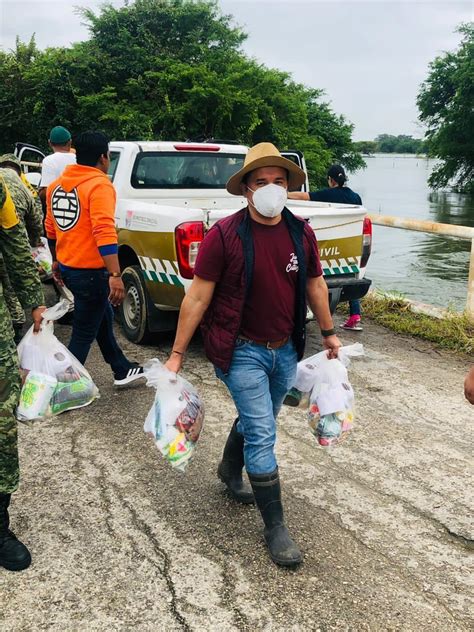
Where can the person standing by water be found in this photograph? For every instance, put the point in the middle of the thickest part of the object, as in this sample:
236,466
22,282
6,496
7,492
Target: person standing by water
336,193
254,272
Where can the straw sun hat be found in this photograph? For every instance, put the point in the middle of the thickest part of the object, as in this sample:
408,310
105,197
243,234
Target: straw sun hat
266,155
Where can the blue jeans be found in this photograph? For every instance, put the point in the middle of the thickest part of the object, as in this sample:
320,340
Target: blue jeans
354,307
258,380
93,317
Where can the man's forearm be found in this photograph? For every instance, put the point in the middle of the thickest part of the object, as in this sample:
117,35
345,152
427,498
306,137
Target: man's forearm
190,315
111,263
298,195
21,268
318,298
469,386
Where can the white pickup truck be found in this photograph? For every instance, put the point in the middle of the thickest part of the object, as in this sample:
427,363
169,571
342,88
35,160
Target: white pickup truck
170,193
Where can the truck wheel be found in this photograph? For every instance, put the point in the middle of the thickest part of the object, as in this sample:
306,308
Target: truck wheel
134,309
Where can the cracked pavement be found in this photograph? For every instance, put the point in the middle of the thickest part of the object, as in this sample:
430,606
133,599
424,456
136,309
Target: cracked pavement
122,542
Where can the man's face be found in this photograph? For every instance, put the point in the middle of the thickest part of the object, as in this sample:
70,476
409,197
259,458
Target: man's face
259,178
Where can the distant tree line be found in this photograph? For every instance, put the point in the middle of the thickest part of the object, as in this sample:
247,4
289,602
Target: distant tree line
163,70
388,144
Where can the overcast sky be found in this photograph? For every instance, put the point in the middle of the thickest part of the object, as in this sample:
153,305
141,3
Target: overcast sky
369,56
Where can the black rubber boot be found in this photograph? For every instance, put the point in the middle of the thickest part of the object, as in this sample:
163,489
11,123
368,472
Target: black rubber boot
267,492
14,556
230,468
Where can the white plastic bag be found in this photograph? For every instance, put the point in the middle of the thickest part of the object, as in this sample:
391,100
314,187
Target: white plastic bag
36,395
43,259
307,369
55,380
331,397
66,295
331,408
176,417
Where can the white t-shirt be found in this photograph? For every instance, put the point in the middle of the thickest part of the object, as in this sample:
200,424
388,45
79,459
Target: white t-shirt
54,165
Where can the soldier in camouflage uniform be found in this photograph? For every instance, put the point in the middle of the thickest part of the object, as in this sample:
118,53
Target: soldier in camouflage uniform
30,212
10,160
15,250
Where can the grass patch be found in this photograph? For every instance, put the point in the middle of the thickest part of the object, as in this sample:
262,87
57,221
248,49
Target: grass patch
392,310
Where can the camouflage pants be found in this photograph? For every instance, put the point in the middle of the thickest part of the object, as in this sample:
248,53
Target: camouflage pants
10,384
13,304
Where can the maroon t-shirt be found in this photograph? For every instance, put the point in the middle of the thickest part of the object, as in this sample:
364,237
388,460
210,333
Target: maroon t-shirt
269,309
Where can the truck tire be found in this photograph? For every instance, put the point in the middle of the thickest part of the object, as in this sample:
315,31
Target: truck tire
134,309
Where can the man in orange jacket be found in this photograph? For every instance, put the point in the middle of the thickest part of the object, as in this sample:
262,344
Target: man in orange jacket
80,226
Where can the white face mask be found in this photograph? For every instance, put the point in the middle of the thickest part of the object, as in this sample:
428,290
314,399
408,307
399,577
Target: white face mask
269,200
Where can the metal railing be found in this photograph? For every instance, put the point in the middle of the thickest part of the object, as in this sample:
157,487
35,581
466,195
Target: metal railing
445,230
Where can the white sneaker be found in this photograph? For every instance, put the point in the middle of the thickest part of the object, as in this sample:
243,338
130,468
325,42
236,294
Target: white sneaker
135,372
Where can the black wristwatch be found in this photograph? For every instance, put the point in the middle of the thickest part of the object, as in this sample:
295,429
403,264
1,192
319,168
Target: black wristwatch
325,333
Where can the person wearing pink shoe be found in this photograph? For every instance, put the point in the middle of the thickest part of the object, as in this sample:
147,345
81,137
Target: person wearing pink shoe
353,322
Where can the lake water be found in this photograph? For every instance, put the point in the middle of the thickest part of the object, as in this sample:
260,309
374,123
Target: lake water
424,267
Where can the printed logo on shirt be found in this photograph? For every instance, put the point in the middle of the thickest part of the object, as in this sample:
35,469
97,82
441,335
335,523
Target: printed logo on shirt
293,265
65,207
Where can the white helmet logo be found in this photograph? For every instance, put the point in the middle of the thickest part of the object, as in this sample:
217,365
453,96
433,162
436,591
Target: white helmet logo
65,208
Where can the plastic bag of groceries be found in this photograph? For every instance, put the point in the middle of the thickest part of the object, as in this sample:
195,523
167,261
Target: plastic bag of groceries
55,380
306,372
326,384
176,417
43,258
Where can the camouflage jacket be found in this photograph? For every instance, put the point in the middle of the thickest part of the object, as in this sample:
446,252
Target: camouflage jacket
28,211
15,250
36,198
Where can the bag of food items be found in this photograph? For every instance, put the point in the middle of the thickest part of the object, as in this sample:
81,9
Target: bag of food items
176,417
44,260
54,380
324,386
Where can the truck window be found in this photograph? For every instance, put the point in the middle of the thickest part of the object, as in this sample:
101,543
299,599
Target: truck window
184,170
114,159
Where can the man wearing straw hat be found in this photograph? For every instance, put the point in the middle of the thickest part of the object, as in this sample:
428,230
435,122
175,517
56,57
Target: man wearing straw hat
254,271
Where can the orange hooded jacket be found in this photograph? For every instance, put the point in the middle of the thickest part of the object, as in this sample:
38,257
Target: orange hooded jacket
80,216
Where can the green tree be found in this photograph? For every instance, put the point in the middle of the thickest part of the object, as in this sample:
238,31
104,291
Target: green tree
168,69
366,146
16,93
446,102
401,144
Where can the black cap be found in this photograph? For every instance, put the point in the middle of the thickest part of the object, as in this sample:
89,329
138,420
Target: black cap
337,173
